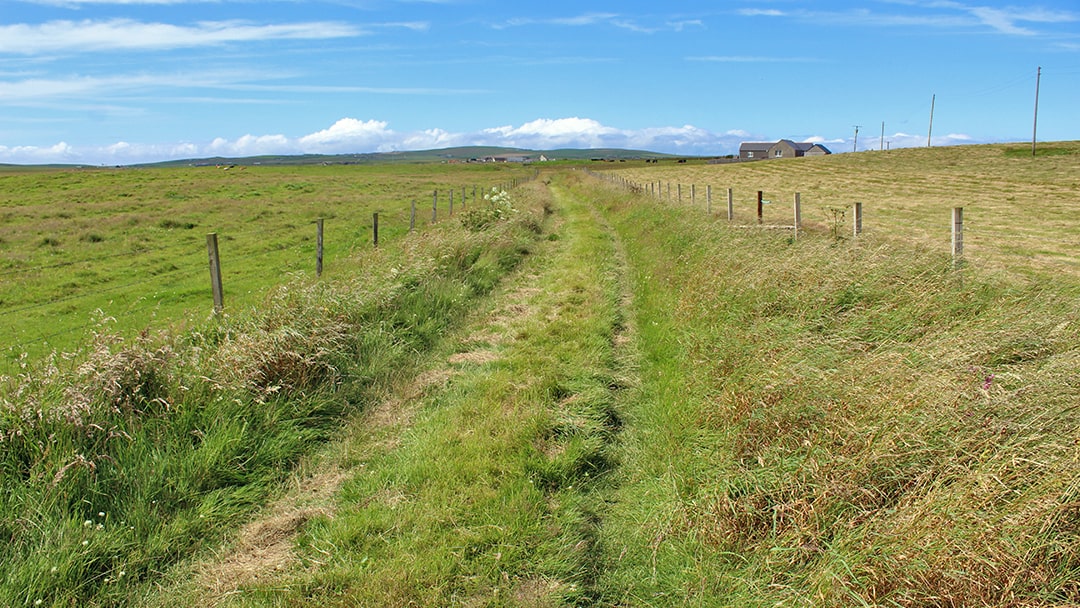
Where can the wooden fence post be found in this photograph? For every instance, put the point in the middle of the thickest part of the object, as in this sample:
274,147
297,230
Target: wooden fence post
856,220
760,206
451,203
730,204
798,214
215,272
679,188
412,216
708,200
375,229
434,206
957,236
693,194
318,246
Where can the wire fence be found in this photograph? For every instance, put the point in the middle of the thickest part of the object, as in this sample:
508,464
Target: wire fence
43,309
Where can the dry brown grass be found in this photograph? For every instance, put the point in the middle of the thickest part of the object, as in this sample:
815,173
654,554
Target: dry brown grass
1021,213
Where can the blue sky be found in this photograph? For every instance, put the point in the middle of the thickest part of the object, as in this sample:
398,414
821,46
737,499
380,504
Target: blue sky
129,81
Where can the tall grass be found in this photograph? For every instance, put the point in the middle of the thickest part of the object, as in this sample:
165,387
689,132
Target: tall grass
827,422
120,460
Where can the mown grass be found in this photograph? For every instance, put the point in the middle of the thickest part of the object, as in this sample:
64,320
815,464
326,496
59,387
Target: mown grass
77,246
829,422
1019,212
120,461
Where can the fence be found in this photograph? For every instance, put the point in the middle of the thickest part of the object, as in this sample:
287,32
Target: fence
663,191
60,312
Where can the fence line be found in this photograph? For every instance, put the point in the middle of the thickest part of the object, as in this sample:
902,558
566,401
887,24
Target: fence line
656,191
215,258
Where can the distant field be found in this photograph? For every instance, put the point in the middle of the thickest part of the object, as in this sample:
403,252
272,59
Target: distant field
77,246
1021,214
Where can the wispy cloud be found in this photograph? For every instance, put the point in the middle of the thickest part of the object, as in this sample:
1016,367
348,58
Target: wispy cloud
760,12
1014,21
37,91
752,59
612,19
127,34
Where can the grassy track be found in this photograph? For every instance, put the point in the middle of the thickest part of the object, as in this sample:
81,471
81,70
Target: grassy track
656,408
481,480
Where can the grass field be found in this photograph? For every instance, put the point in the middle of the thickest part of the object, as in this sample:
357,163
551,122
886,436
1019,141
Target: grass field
594,397
1020,213
129,245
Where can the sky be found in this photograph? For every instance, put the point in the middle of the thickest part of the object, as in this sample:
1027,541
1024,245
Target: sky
114,82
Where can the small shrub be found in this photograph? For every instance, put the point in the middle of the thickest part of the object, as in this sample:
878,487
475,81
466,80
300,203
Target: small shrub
172,224
50,242
92,237
500,208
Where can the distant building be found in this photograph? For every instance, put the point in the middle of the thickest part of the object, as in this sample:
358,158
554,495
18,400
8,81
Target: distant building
785,148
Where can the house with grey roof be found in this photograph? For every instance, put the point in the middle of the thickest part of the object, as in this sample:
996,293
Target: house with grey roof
785,148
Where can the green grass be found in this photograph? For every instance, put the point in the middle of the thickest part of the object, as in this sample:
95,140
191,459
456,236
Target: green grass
126,459
482,487
657,408
842,423
129,245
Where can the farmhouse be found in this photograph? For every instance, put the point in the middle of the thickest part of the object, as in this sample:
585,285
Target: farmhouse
785,148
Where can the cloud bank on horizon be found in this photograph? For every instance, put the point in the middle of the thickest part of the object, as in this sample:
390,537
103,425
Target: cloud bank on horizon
354,136
132,81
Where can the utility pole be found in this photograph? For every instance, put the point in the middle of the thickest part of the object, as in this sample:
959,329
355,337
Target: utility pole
930,131
882,136
855,146
1035,125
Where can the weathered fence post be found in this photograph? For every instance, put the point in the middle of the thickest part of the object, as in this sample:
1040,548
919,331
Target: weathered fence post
215,272
318,246
434,206
958,236
375,229
730,204
693,194
708,199
451,203
463,197
798,214
412,216
679,188
856,220
760,206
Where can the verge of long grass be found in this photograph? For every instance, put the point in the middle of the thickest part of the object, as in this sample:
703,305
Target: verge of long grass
493,492
124,459
842,423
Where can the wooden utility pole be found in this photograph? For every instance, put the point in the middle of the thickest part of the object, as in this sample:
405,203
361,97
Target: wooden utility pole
855,146
1035,126
930,131
883,136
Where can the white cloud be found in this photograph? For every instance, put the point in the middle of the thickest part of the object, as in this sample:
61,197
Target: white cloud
352,135
127,34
